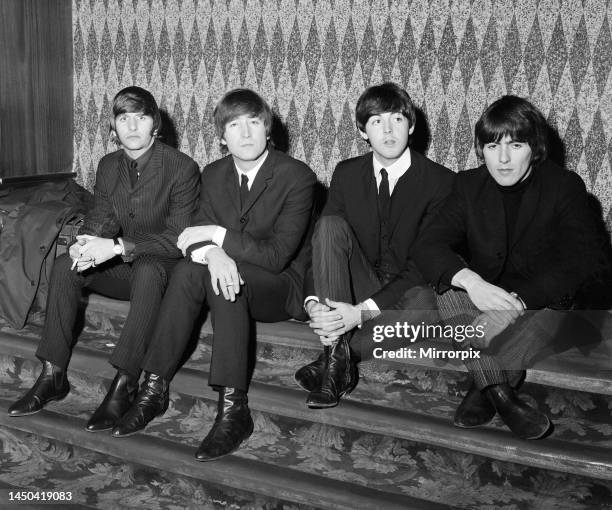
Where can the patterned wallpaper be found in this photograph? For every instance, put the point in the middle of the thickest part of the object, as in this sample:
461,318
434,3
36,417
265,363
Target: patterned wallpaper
312,59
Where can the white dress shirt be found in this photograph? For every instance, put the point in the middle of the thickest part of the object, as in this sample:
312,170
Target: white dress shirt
219,235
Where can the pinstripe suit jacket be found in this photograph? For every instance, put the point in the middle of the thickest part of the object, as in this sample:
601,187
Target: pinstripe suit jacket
152,214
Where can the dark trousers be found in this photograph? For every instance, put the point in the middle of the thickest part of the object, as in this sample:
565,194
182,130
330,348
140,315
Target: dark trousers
342,272
530,338
262,297
142,282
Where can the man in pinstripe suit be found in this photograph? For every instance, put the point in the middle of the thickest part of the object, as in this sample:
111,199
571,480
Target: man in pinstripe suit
144,196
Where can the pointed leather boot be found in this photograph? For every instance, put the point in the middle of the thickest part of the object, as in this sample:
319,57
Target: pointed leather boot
152,401
116,402
339,377
232,426
309,377
474,410
522,419
52,384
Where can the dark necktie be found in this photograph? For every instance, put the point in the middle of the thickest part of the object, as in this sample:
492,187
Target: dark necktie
244,190
133,167
384,197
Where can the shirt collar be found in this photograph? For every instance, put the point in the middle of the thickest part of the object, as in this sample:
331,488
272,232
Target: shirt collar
143,159
395,170
252,173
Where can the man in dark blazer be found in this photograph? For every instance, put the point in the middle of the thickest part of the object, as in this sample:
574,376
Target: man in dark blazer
377,205
529,241
247,254
144,196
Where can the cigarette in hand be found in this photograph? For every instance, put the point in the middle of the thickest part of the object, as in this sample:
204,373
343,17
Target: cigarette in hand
74,263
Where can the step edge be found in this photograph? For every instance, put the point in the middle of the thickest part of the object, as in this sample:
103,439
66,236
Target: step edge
386,421
256,476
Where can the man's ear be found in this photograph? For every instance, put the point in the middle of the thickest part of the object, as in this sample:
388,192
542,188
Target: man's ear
363,134
222,141
411,130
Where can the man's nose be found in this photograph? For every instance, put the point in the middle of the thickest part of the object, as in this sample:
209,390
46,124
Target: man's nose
504,153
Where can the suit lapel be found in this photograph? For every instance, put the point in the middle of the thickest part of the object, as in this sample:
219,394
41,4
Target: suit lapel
367,195
492,210
230,184
527,210
407,190
123,177
152,170
262,179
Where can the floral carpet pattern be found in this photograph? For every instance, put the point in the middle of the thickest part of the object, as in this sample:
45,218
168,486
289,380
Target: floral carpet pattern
375,461
371,460
103,481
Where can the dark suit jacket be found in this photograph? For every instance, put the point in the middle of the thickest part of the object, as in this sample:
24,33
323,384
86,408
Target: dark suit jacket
150,216
415,199
270,230
555,244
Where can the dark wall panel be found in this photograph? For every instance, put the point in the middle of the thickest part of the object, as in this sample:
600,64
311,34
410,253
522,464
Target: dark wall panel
35,86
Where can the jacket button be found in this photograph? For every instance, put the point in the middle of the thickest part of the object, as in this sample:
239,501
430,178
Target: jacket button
32,283
500,255
243,220
131,215
42,247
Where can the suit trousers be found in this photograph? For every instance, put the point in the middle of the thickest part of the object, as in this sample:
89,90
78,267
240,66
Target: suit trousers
263,298
533,336
342,272
142,282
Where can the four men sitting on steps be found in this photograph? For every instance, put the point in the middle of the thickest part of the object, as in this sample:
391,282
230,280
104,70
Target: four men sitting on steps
393,223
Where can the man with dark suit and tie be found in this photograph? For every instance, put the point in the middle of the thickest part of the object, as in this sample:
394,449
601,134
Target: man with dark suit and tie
246,258
529,241
377,205
144,196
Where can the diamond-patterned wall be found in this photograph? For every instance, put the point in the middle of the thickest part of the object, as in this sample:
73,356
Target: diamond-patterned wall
312,59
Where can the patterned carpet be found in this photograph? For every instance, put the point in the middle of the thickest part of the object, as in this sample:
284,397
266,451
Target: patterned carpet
370,460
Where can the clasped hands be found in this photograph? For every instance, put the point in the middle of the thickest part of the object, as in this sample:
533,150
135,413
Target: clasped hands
331,319
500,309
90,251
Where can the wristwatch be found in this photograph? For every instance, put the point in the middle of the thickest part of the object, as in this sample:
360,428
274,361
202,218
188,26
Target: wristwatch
117,248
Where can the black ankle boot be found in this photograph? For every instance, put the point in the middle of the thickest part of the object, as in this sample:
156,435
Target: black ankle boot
309,376
52,384
339,377
232,426
152,401
522,419
116,402
474,410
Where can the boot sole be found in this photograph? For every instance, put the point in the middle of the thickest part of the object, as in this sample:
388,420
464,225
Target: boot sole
236,448
332,404
100,430
139,430
463,426
53,399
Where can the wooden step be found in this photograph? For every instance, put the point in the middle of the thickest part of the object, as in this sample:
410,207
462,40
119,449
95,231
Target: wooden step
550,454
570,370
243,474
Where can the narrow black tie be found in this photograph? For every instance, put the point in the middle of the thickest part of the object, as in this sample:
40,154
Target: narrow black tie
384,197
133,166
244,190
